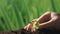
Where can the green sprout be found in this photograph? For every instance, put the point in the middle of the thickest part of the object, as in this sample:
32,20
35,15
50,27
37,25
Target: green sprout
35,25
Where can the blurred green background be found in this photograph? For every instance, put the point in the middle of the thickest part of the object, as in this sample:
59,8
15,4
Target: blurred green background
15,14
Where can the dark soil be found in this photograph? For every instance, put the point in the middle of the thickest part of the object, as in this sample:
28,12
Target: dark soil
39,31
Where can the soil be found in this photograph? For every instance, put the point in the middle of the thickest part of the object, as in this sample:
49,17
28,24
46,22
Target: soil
39,31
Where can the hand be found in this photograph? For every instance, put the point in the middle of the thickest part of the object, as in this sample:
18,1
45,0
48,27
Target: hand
47,20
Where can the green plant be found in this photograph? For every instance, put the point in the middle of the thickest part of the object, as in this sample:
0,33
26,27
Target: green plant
35,25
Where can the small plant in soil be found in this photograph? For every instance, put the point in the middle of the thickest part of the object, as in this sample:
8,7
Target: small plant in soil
35,25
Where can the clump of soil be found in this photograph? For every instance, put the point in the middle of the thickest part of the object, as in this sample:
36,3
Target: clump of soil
38,31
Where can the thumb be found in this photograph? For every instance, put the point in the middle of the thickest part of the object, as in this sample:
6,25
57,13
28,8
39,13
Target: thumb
49,23
45,17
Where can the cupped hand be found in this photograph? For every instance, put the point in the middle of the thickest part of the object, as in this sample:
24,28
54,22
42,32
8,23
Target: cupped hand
48,20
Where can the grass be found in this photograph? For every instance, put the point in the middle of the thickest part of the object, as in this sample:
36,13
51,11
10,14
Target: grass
15,14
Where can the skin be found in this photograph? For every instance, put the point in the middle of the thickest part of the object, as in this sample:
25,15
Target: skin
50,20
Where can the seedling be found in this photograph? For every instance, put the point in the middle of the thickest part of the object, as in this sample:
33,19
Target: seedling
35,25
